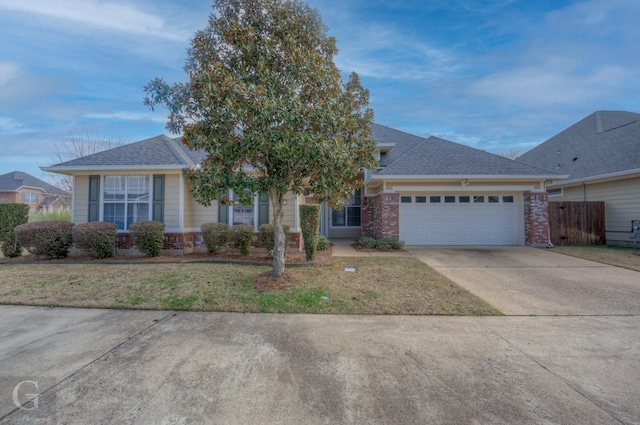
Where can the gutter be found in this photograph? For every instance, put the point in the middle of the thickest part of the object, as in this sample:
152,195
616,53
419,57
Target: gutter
595,178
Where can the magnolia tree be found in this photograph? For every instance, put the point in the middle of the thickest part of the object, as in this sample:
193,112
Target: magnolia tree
267,104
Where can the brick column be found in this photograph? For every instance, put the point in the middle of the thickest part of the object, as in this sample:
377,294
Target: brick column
536,218
380,216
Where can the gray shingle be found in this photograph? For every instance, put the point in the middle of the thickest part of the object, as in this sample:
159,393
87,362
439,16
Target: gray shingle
605,142
413,155
17,179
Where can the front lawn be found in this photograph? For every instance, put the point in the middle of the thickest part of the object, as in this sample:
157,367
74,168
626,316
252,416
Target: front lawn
612,255
379,285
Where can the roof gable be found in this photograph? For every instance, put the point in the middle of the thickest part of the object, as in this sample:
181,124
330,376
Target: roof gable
604,142
16,179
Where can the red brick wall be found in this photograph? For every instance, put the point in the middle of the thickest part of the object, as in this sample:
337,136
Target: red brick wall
380,216
536,218
11,197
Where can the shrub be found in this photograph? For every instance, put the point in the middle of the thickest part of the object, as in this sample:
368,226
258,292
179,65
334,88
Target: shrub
310,226
384,244
96,239
215,235
266,234
148,237
368,242
242,235
322,243
49,238
11,215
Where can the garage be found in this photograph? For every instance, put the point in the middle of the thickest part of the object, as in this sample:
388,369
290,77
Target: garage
469,219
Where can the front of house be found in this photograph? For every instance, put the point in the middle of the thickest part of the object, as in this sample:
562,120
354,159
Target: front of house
424,192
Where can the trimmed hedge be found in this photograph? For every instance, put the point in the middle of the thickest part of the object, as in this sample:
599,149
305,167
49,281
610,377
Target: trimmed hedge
215,236
242,235
310,226
12,215
322,243
148,237
49,238
97,239
266,233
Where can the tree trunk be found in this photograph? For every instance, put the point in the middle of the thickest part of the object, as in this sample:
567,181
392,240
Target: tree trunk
279,239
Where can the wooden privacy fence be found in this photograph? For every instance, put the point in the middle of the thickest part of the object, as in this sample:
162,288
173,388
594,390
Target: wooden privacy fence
577,223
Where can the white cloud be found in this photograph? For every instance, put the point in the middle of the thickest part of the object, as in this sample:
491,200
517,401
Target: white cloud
127,116
113,16
9,71
9,127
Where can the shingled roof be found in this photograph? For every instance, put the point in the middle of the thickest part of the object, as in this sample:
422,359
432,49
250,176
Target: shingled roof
156,152
417,156
15,180
603,143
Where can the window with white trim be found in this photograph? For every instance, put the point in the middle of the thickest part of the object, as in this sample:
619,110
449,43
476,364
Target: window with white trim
350,214
555,192
126,200
29,197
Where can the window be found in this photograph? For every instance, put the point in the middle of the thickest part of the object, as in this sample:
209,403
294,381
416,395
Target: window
421,199
493,199
464,199
450,199
405,199
349,215
29,197
555,192
478,199
507,199
434,199
126,200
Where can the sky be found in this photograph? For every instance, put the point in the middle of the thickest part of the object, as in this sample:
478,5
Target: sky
497,75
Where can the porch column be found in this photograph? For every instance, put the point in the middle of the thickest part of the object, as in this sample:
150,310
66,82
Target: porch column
536,218
380,216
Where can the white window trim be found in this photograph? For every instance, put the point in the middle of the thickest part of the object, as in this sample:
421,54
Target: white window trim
331,226
102,189
256,200
553,195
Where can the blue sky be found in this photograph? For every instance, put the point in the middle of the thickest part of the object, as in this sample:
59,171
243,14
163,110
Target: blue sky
497,75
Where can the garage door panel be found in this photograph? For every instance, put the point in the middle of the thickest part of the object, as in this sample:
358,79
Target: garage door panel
449,223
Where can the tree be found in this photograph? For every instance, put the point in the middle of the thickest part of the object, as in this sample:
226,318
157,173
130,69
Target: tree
266,103
512,153
76,147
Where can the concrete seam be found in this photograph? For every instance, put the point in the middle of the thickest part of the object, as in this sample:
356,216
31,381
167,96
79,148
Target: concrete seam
585,396
111,350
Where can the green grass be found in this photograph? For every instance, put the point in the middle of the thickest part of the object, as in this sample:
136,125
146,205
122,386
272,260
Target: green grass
605,254
380,286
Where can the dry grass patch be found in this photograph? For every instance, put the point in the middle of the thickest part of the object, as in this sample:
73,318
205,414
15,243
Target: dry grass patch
612,255
378,286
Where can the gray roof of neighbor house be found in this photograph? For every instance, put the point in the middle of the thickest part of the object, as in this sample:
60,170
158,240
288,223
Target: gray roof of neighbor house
160,151
604,143
16,179
417,156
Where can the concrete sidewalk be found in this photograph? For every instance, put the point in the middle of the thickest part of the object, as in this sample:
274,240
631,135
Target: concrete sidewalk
143,367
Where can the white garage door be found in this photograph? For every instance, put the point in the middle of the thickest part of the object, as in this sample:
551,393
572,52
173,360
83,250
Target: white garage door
483,219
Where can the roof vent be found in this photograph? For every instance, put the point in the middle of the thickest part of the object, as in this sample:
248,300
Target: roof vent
558,166
575,159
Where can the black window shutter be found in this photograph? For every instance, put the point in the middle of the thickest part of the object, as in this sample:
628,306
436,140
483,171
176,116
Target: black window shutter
263,209
223,213
158,198
94,198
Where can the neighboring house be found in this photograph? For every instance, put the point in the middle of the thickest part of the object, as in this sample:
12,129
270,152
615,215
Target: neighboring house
601,156
426,192
23,188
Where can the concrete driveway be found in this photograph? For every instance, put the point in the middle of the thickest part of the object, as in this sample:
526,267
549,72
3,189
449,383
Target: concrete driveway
145,367
529,281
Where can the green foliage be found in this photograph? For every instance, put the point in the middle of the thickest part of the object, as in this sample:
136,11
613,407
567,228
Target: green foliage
322,243
49,238
266,233
267,67
310,225
242,236
216,236
148,237
11,215
64,215
384,244
96,239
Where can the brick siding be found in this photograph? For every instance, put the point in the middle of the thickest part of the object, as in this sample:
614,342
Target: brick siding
536,218
380,216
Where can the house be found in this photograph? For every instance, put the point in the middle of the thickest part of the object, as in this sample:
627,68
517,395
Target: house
601,156
23,188
425,191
